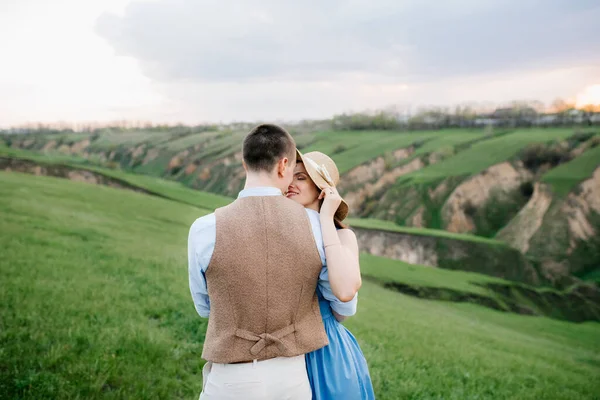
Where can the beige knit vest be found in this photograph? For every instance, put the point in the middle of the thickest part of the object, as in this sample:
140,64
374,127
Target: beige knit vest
261,283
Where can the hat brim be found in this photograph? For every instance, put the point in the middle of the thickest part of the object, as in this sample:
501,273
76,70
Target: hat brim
342,211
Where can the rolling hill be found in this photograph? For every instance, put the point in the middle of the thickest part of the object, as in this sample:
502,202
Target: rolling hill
533,189
95,304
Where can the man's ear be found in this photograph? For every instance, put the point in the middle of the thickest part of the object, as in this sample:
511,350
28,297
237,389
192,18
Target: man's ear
244,165
282,164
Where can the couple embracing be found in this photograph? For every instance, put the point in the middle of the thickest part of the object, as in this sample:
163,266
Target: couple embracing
275,275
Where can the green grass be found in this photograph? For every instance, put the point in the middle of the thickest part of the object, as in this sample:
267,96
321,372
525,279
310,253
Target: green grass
566,176
371,223
169,189
330,142
189,141
420,349
226,144
448,140
72,137
49,157
494,293
484,154
350,149
386,269
304,140
376,148
161,187
95,304
93,297
111,140
592,276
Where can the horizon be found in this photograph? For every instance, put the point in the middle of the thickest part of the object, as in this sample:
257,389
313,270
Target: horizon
480,109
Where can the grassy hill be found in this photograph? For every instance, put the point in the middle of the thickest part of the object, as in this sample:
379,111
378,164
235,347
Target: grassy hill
370,223
95,304
479,182
438,248
400,201
565,177
452,251
577,303
484,154
160,187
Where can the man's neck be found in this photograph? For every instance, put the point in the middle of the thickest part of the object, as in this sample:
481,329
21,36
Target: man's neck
259,180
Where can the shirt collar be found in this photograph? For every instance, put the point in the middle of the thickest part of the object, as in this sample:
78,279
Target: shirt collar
260,191
313,212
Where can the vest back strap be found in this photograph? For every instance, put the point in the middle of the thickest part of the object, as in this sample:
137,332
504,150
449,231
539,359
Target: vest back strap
266,339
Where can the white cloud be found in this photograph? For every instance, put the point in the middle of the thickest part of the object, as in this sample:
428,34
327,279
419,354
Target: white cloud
280,99
258,40
57,68
211,60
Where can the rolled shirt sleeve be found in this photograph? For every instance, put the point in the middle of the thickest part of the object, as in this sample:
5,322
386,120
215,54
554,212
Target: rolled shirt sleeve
346,309
201,245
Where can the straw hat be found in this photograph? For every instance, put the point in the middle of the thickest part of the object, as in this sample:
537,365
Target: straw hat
324,173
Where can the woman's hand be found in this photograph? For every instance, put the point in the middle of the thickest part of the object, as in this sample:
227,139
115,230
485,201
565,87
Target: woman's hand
331,202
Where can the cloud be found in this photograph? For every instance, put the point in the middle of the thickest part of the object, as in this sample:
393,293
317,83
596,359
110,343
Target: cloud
290,100
373,41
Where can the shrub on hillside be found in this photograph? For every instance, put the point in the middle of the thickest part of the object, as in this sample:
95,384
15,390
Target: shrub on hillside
499,209
340,148
388,160
537,155
586,255
579,137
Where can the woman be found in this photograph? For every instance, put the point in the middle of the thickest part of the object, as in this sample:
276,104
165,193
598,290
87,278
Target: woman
339,370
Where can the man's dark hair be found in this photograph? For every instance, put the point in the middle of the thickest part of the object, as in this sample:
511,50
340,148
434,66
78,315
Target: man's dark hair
265,145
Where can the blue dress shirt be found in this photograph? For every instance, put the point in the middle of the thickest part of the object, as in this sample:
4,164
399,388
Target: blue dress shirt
201,244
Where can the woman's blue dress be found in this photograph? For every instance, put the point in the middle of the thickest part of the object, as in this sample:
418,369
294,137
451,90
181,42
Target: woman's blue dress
338,370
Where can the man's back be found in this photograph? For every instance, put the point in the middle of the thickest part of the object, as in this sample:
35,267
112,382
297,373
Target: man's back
261,282
253,272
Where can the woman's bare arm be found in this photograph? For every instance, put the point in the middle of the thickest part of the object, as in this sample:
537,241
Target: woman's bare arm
341,253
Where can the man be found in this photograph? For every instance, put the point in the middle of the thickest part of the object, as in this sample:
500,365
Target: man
253,271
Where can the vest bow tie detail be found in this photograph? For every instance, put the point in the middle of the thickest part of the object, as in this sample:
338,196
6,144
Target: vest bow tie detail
266,339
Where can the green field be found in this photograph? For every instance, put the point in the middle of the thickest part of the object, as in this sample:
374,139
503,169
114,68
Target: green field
371,223
566,176
49,157
448,140
189,141
484,154
423,276
71,137
160,187
227,144
467,287
350,149
95,304
114,139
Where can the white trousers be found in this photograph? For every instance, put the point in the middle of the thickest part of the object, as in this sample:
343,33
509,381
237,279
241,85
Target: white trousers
281,378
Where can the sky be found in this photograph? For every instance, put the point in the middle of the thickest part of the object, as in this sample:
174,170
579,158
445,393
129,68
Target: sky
198,61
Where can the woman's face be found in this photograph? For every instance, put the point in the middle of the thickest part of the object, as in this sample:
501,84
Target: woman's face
302,189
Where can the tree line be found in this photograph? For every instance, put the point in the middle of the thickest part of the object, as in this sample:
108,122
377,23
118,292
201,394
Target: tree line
516,114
